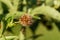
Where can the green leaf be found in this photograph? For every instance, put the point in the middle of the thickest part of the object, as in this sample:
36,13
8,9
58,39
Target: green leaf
1,29
56,4
47,11
10,22
14,15
47,35
8,37
28,31
49,2
16,29
15,4
7,2
21,36
1,10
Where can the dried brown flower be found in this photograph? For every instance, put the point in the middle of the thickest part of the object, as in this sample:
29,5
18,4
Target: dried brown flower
25,20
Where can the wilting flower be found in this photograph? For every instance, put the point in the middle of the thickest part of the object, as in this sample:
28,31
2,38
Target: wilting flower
25,20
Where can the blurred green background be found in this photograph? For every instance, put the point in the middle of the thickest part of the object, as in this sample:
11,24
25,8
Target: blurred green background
45,14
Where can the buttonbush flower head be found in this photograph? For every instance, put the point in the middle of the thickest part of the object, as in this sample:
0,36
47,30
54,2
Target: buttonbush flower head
25,20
